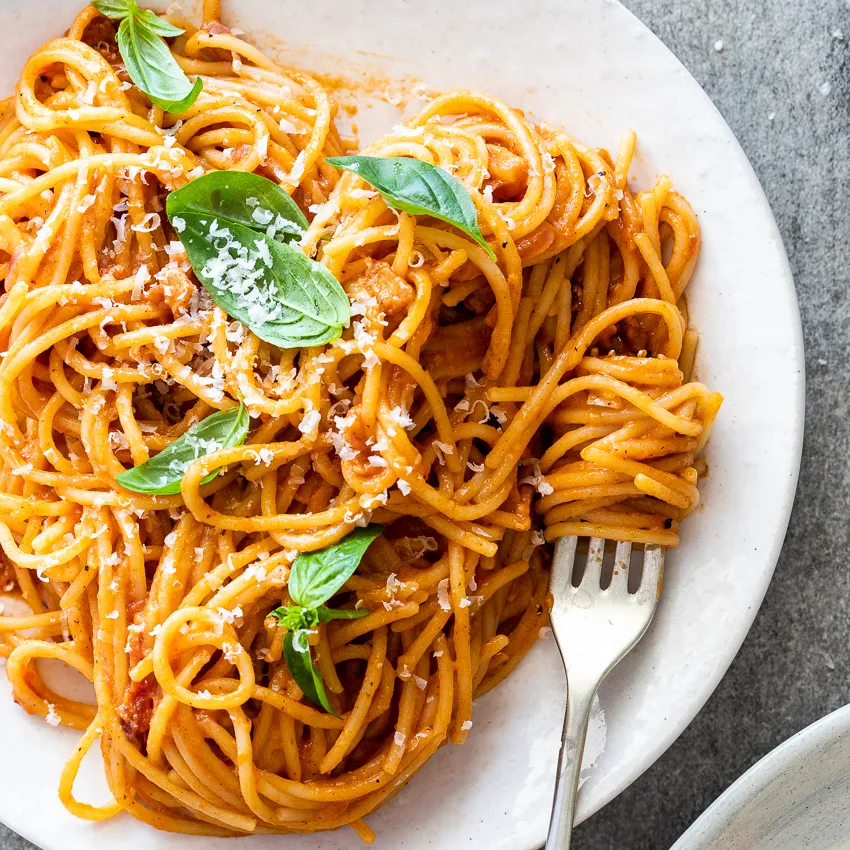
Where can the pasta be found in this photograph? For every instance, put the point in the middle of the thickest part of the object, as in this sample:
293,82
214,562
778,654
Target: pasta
477,408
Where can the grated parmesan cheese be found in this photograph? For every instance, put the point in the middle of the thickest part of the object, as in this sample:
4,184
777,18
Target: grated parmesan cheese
310,421
149,223
443,595
298,167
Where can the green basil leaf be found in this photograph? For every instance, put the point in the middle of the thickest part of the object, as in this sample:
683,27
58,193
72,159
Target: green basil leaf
116,9
241,197
282,295
162,474
291,617
296,653
317,576
152,67
418,188
156,24
325,614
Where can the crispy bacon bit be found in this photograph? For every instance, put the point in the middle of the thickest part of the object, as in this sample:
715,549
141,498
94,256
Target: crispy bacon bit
393,294
508,172
100,34
175,289
140,700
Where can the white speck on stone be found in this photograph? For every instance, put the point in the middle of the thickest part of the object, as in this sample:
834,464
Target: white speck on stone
825,88
718,45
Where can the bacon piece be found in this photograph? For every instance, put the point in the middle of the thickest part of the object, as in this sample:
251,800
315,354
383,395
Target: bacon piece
100,34
175,289
508,172
394,295
140,700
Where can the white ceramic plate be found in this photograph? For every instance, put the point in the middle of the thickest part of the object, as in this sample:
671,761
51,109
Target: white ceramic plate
795,796
591,67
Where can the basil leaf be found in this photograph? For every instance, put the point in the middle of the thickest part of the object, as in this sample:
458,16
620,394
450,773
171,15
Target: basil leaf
156,24
317,576
418,188
150,64
241,197
115,8
162,474
291,617
282,295
296,653
325,614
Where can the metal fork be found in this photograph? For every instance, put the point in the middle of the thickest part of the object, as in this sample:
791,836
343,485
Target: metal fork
594,629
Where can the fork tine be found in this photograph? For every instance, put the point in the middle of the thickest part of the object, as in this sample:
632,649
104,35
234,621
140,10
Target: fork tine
653,568
593,568
561,580
620,578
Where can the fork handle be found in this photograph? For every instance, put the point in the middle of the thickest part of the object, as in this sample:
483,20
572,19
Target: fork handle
579,701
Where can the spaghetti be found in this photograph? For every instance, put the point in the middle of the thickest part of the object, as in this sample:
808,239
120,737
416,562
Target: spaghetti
478,409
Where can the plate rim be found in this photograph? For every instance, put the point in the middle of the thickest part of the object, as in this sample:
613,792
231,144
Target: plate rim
787,291
790,494
711,824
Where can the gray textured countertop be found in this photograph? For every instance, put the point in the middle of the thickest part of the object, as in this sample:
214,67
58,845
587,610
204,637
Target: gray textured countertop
789,61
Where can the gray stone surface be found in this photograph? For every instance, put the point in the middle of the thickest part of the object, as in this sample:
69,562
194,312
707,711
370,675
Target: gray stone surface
776,59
